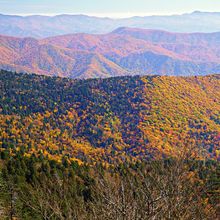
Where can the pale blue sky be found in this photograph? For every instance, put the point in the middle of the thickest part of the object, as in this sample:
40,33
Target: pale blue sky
112,8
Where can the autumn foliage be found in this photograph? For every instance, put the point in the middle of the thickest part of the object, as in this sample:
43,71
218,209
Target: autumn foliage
110,120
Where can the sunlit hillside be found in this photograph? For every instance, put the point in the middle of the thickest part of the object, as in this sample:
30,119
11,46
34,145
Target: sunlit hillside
112,119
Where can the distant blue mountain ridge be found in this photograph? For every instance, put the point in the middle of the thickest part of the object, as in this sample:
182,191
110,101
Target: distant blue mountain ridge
38,26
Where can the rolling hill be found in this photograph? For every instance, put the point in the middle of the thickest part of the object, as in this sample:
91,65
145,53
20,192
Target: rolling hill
125,51
110,120
46,26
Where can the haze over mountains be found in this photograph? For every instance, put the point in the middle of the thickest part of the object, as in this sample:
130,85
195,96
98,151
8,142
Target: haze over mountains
121,119
125,51
46,26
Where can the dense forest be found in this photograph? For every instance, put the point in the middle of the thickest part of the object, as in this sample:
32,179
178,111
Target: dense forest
38,188
110,120
119,148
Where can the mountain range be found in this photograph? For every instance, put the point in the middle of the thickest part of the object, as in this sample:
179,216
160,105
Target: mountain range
125,51
38,26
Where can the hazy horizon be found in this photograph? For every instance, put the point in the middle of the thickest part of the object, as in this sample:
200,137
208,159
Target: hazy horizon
103,8
107,15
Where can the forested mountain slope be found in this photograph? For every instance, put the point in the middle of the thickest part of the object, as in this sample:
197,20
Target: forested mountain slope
112,119
125,51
